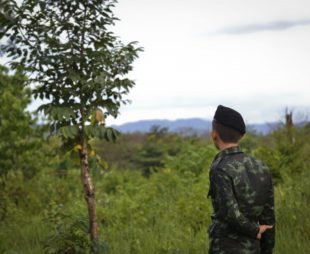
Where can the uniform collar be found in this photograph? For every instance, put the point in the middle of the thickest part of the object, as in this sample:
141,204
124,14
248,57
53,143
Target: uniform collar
228,151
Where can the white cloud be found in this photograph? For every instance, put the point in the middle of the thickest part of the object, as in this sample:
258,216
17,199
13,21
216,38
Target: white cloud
271,26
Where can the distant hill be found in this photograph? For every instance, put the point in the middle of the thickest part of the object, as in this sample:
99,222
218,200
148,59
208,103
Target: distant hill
190,125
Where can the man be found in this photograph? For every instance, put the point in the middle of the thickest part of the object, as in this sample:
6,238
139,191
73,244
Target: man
241,191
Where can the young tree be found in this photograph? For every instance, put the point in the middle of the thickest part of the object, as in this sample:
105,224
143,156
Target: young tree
76,64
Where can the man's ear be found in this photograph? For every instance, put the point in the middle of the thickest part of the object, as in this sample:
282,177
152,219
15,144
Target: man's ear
214,134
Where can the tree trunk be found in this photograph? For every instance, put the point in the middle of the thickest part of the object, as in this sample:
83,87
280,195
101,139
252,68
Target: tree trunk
89,193
289,125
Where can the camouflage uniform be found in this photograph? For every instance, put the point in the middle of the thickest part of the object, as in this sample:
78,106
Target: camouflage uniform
242,198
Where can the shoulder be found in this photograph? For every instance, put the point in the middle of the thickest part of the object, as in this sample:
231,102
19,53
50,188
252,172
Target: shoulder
257,164
241,162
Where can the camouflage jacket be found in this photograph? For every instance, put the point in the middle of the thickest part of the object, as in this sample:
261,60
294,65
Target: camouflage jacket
242,196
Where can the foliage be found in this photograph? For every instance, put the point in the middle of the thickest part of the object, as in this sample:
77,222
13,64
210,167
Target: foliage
194,157
165,213
20,137
292,206
75,62
77,65
159,144
121,154
15,122
283,156
69,235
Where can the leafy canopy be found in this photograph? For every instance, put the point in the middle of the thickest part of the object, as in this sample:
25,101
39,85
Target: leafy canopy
73,60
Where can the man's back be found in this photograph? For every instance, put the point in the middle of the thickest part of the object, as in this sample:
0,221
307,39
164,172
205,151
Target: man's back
242,198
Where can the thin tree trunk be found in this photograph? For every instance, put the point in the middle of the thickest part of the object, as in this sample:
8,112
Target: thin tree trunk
89,193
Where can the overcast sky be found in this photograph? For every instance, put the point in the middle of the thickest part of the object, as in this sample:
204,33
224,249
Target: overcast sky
252,55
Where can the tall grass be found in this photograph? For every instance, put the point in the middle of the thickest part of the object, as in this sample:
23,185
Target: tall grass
166,213
293,210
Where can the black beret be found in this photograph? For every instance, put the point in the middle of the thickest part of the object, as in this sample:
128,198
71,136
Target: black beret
230,118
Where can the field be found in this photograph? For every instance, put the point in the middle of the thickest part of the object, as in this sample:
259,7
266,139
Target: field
161,208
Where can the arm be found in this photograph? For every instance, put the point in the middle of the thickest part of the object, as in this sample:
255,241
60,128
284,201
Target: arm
268,218
228,206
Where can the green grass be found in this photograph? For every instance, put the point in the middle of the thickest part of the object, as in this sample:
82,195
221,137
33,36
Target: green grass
167,213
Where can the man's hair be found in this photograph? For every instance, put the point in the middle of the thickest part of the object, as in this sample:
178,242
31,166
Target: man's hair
227,134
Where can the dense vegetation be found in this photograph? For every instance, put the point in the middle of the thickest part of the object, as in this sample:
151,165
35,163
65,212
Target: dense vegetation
151,188
76,66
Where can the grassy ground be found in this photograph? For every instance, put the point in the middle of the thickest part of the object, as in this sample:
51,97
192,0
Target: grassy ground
167,213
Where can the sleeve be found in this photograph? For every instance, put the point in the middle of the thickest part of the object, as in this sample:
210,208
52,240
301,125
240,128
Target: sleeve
268,218
228,206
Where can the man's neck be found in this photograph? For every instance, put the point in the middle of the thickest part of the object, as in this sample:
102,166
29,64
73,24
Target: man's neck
224,146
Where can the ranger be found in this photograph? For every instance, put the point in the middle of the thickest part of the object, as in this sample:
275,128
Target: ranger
241,191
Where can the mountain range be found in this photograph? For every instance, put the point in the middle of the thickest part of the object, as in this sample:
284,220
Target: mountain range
190,125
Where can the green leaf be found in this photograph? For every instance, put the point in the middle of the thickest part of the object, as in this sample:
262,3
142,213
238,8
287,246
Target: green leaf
72,58
69,132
